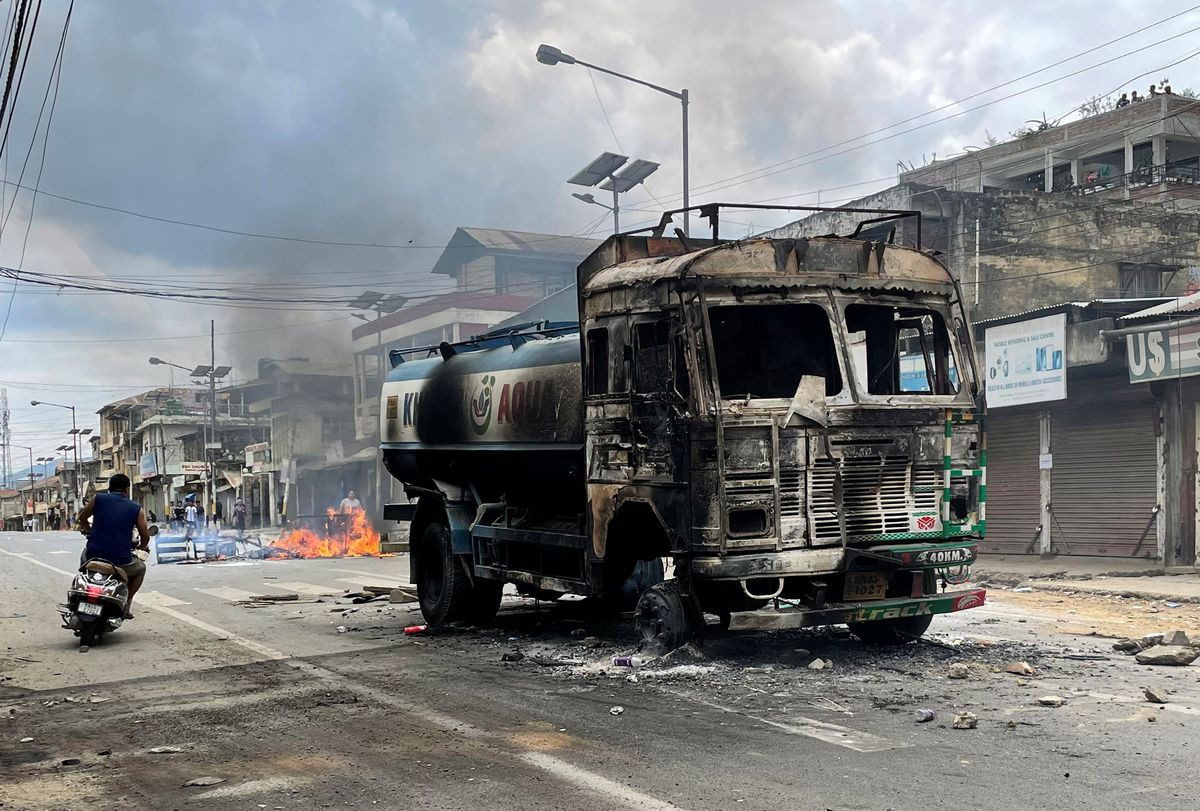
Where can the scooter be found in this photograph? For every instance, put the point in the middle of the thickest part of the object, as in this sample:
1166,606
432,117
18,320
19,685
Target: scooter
97,599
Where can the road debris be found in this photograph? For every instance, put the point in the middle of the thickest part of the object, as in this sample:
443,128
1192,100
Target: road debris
1020,669
616,710
207,780
924,716
70,761
401,596
1128,646
1176,655
413,630
965,720
957,670
26,740
341,629
1051,701
1155,695
512,656
820,664
165,750
275,598
628,661
1176,638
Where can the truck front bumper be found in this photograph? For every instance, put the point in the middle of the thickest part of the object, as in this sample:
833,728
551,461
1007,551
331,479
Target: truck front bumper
832,559
840,613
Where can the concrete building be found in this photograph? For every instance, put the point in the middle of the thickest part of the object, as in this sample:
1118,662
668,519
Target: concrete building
308,455
496,274
12,510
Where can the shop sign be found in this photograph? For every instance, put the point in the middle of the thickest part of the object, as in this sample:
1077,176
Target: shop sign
1026,361
149,465
1164,353
193,467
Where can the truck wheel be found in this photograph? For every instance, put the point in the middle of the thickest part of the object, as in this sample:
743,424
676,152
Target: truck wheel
899,631
443,589
663,618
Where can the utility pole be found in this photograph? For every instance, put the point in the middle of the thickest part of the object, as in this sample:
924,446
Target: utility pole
212,401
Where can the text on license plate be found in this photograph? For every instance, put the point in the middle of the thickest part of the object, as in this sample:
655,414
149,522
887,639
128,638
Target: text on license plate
865,586
91,608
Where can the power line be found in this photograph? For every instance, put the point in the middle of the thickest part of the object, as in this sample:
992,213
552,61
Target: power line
763,174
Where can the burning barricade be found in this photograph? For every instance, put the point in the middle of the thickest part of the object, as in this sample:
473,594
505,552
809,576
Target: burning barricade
343,534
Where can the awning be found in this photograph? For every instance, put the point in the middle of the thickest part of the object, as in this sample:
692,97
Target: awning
366,455
234,477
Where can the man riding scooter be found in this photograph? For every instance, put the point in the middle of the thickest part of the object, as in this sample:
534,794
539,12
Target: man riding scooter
109,520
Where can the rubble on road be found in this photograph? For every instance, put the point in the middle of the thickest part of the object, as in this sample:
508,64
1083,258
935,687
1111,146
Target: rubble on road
165,750
1177,655
1155,695
1020,669
1177,637
616,710
965,720
924,716
401,596
1051,701
1128,646
957,670
204,781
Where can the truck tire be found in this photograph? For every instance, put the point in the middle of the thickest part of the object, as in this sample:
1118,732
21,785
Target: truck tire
899,631
663,618
443,589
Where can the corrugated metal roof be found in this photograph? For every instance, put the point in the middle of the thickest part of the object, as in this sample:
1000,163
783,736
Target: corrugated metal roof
1063,306
529,242
1183,304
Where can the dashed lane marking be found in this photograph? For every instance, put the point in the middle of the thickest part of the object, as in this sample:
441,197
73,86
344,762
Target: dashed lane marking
229,593
157,599
308,588
812,728
568,772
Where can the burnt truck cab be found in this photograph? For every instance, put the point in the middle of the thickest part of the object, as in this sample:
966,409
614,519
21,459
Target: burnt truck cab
792,422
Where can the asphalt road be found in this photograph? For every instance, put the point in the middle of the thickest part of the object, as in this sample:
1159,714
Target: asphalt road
289,712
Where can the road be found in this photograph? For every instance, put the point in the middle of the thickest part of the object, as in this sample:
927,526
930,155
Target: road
289,712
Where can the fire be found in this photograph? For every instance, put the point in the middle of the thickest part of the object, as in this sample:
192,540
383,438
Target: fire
347,535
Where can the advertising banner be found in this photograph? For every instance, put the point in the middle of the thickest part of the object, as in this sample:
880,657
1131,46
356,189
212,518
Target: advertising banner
1026,361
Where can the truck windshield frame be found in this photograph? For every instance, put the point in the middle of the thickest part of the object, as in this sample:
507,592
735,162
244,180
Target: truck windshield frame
764,348
903,350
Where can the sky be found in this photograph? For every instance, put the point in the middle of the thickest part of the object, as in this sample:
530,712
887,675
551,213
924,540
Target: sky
391,123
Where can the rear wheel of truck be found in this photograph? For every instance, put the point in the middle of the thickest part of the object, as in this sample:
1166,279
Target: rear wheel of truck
444,590
899,631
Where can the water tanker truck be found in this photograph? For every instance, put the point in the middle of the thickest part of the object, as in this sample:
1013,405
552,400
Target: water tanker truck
791,423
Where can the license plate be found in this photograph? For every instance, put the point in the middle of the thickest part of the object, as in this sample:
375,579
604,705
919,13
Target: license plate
865,586
91,608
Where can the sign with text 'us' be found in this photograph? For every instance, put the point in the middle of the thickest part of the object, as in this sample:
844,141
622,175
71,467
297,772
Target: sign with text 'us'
1161,354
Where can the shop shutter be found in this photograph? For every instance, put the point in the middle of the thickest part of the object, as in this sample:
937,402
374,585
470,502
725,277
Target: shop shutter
1013,509
1103,487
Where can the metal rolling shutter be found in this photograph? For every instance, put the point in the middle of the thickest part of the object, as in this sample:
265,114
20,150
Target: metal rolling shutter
1013,509
1104,479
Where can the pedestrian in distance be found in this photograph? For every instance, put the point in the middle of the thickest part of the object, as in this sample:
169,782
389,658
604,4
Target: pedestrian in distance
350,503
239,516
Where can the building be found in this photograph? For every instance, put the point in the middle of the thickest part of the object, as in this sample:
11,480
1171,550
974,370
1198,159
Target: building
496,274
1159,347
308,456
12,510
1058,238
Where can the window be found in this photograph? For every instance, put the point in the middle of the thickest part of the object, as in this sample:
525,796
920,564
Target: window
1140,281
762,350
597,360
900,350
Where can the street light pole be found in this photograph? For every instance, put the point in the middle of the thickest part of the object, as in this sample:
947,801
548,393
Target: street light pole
549,55
74,446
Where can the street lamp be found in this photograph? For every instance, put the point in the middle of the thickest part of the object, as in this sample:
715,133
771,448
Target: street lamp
214,373
603,170
74,440
549,55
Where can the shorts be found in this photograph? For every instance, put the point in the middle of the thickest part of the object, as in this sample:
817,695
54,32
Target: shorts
133,570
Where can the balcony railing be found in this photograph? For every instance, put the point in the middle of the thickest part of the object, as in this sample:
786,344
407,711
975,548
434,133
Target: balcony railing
1149,175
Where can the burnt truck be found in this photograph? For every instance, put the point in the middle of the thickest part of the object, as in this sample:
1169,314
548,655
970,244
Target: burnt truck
792,423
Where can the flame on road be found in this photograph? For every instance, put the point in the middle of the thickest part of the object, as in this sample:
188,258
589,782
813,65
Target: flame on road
346,535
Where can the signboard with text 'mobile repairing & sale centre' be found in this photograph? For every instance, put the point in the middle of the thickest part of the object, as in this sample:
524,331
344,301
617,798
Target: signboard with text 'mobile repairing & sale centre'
1026,361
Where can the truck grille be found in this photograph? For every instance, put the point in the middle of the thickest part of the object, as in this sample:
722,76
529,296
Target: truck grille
879,494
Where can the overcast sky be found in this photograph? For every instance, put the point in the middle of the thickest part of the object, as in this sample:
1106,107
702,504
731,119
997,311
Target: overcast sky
391,122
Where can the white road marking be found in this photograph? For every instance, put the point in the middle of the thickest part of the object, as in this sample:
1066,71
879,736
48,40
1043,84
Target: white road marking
308,588
372,581
580,777
157,598
228,593
812,728
1150,704
261,786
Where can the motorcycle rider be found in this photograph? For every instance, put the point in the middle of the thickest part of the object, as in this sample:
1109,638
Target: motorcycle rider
109,520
